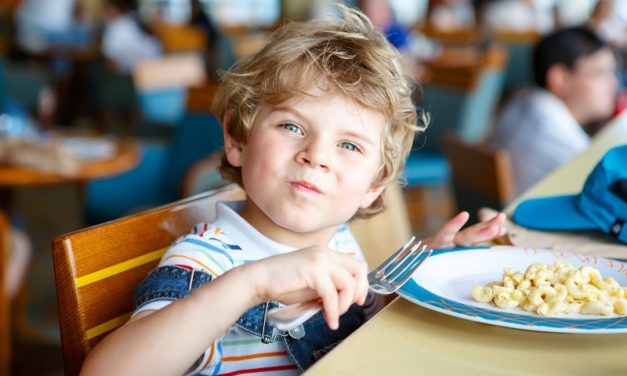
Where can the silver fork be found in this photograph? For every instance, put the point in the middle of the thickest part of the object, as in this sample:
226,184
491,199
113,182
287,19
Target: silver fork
385,279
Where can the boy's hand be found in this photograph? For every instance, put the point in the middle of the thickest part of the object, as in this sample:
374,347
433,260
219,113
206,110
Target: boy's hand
336,279
450,235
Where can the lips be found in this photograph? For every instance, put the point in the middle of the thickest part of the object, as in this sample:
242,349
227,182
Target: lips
304,186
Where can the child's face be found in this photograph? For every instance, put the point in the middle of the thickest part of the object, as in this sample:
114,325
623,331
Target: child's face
309,164
590,92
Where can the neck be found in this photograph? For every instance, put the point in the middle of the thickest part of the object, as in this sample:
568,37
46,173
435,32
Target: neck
297,239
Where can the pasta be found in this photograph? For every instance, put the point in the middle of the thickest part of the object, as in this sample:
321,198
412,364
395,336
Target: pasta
555,289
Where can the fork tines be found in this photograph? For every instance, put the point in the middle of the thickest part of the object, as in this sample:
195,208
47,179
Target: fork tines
403,262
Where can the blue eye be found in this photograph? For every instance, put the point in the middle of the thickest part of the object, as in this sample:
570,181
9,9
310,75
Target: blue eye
349,146
292,128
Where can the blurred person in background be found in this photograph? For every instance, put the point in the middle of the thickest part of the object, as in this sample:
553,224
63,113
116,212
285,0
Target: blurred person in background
217,54
451,14
609,24
125,40
543,127
37,20
518,15
382,16
609,20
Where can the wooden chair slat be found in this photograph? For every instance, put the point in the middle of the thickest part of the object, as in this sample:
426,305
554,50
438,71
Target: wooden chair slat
98,268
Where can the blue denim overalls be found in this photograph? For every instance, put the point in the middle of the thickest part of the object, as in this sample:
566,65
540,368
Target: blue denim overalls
305,343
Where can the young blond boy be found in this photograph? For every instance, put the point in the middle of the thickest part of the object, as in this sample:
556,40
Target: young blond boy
315,126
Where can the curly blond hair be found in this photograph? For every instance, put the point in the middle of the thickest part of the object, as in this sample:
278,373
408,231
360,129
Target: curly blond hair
350,58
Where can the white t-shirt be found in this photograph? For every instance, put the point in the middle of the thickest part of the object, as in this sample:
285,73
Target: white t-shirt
126,44
540,134
36,18
217,247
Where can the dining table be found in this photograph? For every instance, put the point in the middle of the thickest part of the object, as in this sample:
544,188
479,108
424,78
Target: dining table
45,201
125,157
118,156
405,338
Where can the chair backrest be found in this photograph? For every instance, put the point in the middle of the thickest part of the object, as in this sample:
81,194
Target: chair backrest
481,176
23,84
162,83
519,70
181,38
98,268
5,321
161,170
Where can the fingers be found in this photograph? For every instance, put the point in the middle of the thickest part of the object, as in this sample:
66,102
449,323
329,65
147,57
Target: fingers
446,235
337,279
344,285
358,270
481,232
330,303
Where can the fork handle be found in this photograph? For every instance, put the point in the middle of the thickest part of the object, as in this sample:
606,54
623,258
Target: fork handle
291,316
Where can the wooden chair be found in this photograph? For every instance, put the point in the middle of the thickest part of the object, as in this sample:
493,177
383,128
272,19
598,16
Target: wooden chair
481,176
181,38
5,318
98,268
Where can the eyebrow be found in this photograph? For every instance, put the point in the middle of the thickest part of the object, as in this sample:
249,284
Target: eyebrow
349,133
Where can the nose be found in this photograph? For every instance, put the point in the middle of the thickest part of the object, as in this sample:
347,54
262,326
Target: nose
315,155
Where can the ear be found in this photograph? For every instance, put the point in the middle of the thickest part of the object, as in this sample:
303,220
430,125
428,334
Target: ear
233,149
558,80
371,195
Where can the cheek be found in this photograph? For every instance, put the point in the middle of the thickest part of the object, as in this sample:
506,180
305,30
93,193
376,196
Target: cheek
603,96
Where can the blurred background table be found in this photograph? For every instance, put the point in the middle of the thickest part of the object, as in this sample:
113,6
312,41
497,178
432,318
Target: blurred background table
125,157
46,204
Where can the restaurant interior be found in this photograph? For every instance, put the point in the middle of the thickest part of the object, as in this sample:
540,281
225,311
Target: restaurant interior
106,112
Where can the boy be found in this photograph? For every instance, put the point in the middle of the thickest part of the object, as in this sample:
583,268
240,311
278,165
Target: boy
315,125
542,127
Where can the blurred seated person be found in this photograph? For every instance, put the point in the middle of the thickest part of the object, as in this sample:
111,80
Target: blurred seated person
609,24
449,15
382,16
37,20
542,126
215,58
199,18
518,15
125,40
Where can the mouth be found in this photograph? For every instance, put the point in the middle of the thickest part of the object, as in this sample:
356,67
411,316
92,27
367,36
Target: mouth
303,186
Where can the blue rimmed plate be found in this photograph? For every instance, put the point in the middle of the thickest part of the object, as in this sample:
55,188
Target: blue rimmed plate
445,281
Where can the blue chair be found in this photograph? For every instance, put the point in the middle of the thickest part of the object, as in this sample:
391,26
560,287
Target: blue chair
519,45
164,106
24,84
158,177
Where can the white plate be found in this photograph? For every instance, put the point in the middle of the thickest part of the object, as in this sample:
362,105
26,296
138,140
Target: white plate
445,281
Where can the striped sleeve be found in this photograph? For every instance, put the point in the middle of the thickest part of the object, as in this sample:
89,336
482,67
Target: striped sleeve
203,249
